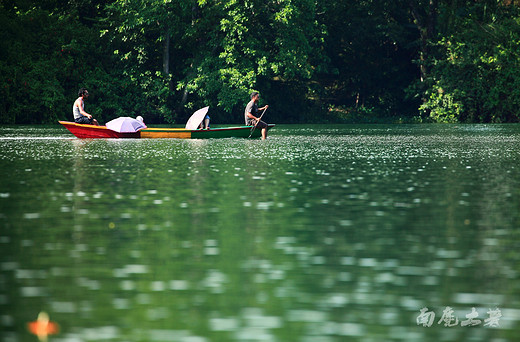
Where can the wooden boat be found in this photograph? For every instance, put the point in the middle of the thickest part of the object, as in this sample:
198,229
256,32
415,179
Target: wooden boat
91,132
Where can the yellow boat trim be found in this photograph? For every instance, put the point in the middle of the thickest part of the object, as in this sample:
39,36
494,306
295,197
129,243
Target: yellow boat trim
82,125
154,133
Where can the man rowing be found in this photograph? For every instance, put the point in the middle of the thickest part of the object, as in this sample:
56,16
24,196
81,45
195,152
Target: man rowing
251,114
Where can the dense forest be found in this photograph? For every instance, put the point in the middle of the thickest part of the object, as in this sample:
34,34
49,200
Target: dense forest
312,61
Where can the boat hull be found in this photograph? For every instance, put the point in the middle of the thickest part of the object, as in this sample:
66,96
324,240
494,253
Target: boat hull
93,132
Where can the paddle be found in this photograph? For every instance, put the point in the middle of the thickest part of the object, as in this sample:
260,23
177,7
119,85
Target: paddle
260,118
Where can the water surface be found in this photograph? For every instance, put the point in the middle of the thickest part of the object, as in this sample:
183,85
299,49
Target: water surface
320,233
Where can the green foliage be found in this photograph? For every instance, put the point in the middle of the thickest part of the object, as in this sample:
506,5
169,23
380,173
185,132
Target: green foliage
26,75
443,107
220,51
313,61
475,77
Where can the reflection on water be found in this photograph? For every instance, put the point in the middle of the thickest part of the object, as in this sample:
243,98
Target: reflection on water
320,233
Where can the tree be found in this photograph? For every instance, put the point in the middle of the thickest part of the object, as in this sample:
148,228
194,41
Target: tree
227,48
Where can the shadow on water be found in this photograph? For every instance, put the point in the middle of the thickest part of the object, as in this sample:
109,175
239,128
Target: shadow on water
320,233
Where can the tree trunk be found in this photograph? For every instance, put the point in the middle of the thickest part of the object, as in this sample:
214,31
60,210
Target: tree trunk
195,13
166,55
427,26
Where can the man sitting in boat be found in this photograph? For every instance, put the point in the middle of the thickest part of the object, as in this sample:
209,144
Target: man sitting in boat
205,123
78,109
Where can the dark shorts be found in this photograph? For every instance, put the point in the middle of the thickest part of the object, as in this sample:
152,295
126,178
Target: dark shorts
261,124
83,120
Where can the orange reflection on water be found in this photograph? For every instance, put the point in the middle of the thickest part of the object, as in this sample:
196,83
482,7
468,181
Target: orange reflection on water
43,327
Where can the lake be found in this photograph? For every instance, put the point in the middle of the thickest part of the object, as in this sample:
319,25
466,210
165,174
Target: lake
320,233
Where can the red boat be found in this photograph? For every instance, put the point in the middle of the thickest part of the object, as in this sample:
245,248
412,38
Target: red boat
92,131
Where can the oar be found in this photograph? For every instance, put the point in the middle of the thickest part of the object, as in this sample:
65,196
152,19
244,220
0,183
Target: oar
260,118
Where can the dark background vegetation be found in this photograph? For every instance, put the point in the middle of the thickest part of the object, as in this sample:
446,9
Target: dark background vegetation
312,61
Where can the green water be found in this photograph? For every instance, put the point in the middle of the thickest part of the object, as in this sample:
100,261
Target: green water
320,233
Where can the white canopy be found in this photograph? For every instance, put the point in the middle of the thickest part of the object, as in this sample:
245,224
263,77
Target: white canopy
196,118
